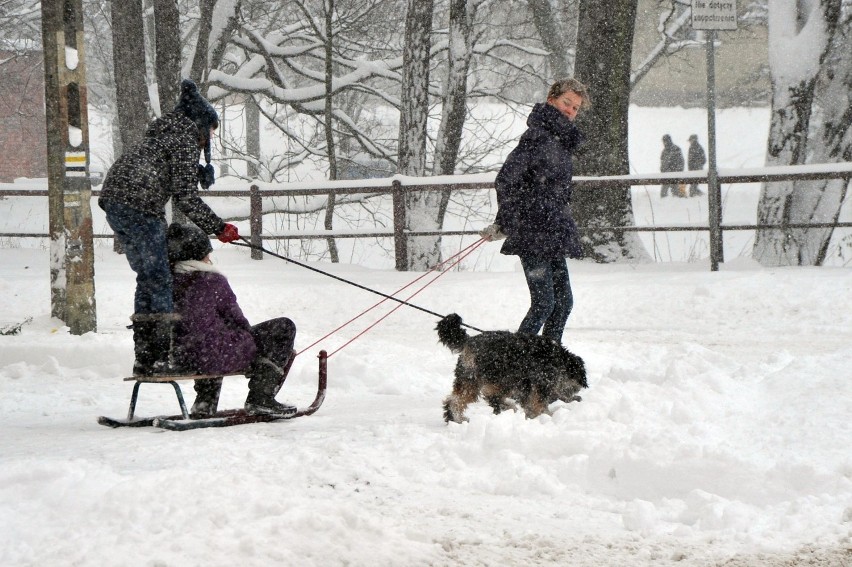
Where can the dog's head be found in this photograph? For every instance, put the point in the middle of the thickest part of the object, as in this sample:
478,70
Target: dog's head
450,332
575,367
572,381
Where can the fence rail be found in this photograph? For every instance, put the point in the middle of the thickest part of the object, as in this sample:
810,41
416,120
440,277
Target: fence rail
397,187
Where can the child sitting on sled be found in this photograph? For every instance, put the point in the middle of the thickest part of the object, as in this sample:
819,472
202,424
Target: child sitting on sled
214,337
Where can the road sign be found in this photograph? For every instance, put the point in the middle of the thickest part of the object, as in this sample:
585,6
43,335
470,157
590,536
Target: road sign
714,14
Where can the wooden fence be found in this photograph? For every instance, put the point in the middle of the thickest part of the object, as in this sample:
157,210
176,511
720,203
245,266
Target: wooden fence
397,187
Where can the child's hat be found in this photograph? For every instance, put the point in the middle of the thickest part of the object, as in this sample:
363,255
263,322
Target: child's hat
187,242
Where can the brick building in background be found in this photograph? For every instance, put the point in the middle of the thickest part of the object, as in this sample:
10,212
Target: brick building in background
23,140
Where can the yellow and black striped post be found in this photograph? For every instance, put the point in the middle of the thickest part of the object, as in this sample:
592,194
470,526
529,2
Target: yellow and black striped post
72,271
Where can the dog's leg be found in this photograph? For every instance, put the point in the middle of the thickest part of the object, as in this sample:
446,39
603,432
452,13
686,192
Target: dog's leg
501,404
534,405
454,409
569,395
495,396
465,392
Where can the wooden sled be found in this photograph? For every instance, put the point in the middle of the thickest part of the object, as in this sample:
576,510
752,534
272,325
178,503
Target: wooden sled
223,418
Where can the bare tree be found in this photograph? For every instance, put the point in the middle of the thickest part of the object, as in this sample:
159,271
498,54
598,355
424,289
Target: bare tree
604,47
216,23
808,29
131,90
168,52
20,30
279,58
21,88
829,142
200,59
454,99
328,110
673,21
421,207
556,22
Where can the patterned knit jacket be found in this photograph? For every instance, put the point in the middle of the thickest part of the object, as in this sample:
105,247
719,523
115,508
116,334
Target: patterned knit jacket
163,166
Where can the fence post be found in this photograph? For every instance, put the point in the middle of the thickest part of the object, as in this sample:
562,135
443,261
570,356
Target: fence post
255,222
400,243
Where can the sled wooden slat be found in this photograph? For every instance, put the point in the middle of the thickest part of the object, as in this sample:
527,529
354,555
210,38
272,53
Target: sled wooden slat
164,379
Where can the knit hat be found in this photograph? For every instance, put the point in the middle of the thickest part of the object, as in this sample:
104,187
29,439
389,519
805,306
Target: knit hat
196,108
187,242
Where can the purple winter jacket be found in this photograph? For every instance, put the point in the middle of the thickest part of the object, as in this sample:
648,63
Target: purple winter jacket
213,336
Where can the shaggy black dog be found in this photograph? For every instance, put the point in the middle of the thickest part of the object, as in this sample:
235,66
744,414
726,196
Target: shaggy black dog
501,366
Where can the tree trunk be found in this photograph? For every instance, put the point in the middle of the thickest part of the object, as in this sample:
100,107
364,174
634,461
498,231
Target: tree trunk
455,89
557,27
830,142
128,53
167,42
454,107
252,138
329,126
791,29
604,47
200,66
421,207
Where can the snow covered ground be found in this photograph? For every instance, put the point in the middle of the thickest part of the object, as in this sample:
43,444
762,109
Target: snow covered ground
715,430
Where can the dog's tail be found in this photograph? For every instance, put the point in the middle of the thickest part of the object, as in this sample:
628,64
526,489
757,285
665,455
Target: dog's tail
450,332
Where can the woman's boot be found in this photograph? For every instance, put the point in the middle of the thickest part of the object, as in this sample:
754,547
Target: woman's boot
206,398
265,380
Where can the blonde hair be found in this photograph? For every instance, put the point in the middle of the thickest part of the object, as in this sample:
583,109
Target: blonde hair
563,86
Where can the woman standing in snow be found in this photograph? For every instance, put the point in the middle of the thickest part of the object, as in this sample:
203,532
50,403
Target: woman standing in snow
214,337
534,207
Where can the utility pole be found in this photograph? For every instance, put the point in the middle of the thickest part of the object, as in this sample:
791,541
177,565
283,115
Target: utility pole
710,17
72,267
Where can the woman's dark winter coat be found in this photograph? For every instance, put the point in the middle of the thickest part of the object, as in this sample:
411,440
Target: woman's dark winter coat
213,336
163,166
534,189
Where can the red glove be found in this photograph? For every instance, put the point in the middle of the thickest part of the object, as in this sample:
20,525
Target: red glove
229,233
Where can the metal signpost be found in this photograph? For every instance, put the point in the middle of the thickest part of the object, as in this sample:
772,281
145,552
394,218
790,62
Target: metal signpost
710,16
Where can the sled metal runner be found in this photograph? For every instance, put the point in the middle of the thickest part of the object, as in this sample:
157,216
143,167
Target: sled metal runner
222,418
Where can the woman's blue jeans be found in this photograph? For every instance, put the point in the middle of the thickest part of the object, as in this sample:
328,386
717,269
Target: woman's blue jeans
143,238
551,299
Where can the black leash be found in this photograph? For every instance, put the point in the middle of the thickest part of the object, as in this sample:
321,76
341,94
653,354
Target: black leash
247,244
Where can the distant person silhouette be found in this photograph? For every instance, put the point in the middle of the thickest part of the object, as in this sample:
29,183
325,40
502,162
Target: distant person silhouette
695,159
670,160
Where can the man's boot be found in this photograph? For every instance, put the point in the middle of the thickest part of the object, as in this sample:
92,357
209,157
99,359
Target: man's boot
152,342
206,398
265,380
